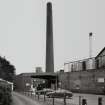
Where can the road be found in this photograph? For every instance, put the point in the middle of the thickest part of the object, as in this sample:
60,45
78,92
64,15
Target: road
19,99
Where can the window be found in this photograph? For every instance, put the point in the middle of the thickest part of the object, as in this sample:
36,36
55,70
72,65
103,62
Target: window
84,65
100,80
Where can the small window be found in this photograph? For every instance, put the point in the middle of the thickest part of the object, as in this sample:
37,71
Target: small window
101,80
84,65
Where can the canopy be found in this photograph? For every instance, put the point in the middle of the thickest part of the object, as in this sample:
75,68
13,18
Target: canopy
50,76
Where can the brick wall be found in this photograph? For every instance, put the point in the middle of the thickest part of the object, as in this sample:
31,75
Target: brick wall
83,81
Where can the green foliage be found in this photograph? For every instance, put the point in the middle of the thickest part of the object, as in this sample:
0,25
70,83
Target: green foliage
5,94
7,71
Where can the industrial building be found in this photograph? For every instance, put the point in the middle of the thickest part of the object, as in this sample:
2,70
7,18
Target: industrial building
85,76
97,62
24,82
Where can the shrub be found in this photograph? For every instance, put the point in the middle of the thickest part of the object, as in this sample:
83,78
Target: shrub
5,94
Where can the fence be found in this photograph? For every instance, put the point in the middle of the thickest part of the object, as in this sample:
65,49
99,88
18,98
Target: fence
47,100
77,99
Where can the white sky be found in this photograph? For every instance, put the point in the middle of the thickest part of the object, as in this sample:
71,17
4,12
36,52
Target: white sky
23,31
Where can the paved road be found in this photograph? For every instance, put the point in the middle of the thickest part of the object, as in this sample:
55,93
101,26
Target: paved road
19,99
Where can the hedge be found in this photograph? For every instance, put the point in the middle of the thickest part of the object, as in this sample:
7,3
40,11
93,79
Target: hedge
5,94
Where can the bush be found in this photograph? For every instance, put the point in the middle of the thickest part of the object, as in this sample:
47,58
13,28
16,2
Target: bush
5,94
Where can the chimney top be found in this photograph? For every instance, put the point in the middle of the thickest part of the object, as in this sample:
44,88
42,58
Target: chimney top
90,34
49,3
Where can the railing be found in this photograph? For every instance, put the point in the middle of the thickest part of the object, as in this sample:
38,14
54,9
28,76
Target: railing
78,99
47,100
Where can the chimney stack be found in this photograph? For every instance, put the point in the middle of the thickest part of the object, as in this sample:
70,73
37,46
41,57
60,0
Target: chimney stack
49,40
90,44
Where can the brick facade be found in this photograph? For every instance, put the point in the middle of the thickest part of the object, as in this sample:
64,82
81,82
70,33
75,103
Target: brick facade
84,81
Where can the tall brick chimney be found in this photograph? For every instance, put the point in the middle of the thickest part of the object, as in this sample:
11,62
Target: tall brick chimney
49,40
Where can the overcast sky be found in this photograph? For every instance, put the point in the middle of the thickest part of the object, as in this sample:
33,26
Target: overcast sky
23,31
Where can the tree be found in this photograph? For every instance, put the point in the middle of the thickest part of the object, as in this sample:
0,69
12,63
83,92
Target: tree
7,70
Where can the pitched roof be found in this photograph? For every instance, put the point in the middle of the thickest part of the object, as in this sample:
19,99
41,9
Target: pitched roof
100,52
26,74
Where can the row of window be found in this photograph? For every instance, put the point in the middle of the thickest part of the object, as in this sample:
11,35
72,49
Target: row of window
86,64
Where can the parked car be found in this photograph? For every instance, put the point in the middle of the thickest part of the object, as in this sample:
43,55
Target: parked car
61,93
44,91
